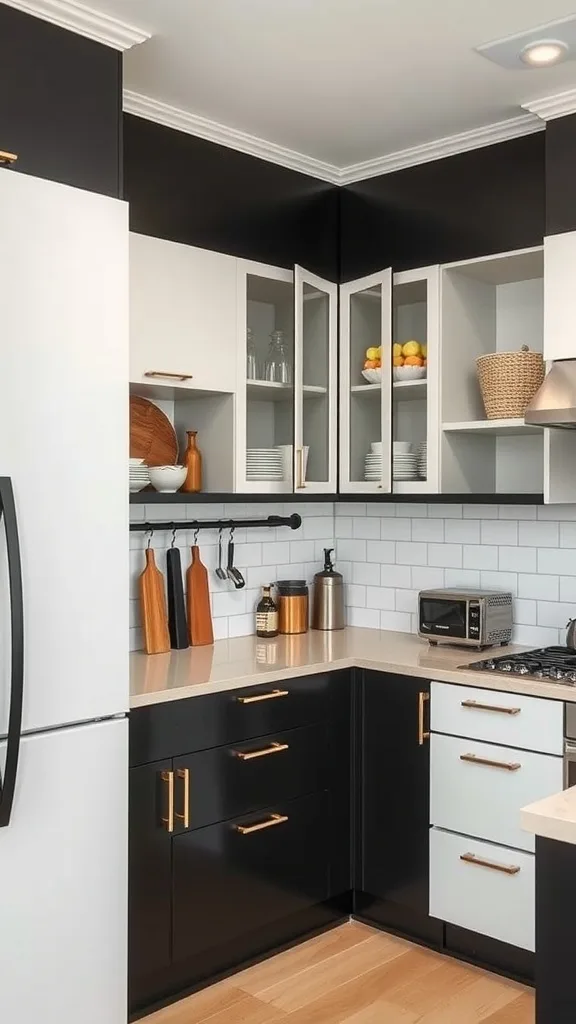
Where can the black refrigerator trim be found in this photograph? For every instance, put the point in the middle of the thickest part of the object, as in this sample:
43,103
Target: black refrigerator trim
8,784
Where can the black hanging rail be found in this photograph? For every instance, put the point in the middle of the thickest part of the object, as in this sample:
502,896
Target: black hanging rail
294,522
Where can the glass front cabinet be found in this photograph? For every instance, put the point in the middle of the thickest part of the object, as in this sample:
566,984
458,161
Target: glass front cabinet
389,370
286,401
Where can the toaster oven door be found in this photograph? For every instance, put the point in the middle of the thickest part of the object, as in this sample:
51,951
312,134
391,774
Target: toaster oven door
444,617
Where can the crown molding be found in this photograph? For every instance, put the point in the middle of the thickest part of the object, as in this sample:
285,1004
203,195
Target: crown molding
173,117
548,107
193,124
477,138
85,21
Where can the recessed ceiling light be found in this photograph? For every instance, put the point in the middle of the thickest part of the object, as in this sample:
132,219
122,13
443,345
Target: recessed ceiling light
544,52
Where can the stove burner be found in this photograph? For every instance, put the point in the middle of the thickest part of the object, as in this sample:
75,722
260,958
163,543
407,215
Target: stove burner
553,664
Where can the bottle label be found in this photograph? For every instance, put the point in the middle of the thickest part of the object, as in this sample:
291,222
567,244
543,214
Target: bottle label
267,622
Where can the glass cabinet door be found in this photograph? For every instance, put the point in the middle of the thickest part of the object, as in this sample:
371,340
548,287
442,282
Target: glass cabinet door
315,401
265,398
365,383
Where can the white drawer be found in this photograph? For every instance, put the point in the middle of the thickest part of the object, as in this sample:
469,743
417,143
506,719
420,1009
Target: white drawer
527,723
482,799
496,900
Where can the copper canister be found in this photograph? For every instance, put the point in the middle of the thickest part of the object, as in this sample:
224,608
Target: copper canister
292,606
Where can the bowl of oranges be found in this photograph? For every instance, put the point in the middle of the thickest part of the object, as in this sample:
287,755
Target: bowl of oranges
372,370
409,361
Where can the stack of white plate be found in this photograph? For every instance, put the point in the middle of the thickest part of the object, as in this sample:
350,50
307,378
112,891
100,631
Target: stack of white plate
373,462
422,460
264,464
404,462
139,476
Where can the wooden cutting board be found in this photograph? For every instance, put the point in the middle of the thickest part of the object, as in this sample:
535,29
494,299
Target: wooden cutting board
152,436
198,602
153,608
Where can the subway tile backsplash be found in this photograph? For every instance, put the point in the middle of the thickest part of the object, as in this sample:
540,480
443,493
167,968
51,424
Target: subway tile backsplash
262,555
387,553
527,549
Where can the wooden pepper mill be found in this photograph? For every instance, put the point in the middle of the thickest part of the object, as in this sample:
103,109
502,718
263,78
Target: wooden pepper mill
193,462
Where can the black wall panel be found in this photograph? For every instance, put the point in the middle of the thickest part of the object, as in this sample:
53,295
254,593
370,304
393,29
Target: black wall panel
60,103
561,175
189,190
472,204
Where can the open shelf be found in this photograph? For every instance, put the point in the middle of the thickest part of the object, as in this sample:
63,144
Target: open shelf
272,391
492,428
404,390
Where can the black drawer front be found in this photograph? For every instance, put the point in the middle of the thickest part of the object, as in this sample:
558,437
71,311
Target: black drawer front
243,777
227,882
197,723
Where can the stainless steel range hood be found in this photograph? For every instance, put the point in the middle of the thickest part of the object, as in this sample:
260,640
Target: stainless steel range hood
554,404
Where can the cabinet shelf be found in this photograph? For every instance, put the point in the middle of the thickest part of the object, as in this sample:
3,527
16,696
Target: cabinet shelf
272,391
404,390
492,428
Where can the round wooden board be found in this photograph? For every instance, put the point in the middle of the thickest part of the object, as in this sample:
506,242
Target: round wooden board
152,436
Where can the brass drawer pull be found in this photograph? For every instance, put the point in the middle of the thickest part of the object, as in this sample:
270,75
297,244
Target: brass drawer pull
476,706
250,755
184,817
509,766
168,821
506,869
166,373
257,697
423,699
8,158
274,819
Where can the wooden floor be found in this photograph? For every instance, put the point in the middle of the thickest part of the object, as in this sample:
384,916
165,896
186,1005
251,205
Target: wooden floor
356,975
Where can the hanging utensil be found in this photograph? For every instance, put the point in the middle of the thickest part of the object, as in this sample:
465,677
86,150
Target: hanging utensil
153,606
198,600
234,574
220,572
176,608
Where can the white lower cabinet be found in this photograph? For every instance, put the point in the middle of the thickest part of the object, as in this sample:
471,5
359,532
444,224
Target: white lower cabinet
483,887
478,788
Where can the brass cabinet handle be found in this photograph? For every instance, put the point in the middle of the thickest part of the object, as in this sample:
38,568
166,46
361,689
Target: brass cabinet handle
8,158
509,766
476,706
184,817
250,755
166,373
168,821
300,468
506,869
423,699
274,819
257,697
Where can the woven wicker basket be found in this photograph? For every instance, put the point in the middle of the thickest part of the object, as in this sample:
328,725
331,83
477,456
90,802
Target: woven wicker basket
509,381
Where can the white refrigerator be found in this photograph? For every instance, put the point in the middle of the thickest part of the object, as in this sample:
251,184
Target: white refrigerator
63,604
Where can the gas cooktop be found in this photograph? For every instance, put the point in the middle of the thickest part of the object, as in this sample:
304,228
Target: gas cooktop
554,664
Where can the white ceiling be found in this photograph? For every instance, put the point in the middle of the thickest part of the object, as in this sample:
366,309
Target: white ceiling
342,81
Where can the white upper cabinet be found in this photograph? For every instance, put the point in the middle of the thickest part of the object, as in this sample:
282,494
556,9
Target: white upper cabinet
183,316
560,296
315,391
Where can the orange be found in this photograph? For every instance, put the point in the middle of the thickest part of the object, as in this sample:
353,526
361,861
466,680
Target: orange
413,361
425,362
398,361
370,364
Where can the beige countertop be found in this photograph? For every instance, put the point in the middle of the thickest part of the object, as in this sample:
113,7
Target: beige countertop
554,817
248,661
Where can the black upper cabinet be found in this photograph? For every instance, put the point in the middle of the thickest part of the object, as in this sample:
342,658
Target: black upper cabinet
60,103
561,175
189,190
485,201
395,804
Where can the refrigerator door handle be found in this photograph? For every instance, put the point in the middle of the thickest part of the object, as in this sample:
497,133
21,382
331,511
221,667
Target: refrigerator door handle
8,783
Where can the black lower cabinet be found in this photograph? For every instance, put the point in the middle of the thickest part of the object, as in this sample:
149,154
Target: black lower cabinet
555,916
240,876
393,785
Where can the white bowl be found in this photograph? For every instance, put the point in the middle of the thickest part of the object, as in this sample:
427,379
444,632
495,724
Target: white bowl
401,447
403,373
167,479
372,376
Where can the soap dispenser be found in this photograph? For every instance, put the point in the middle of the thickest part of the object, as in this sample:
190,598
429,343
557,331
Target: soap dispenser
328,600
